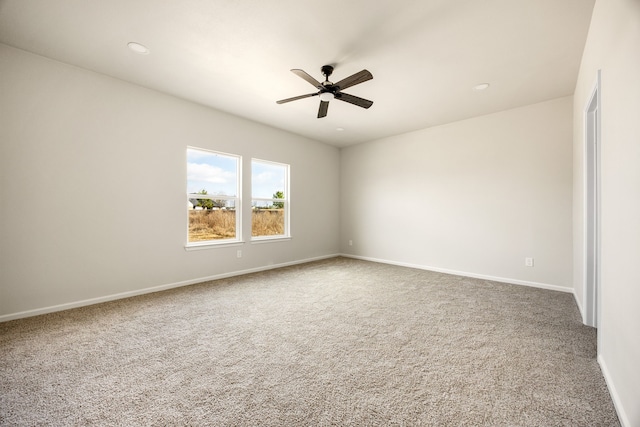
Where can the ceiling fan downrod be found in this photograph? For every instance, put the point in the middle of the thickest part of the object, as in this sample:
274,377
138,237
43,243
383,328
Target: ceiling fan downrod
326,70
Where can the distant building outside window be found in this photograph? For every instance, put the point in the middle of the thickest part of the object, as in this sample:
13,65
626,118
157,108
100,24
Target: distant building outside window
269,200
213,197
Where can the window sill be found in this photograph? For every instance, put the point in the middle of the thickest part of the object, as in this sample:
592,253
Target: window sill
268,239
202,246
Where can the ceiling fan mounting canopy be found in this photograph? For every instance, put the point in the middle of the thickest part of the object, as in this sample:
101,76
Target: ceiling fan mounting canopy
327,70
328,90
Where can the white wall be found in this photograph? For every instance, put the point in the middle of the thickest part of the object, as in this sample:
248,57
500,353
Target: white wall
93,182
475,197
613,46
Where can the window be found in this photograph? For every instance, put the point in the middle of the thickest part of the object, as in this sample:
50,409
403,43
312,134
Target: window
269,200
213,201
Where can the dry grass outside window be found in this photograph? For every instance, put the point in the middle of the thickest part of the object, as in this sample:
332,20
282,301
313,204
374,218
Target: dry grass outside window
267,222
221,224
211,225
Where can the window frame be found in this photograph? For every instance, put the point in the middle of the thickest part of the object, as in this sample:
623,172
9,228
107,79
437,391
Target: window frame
286,203
237,199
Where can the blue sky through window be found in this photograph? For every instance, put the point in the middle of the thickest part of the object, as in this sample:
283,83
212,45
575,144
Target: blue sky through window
216,173
266,179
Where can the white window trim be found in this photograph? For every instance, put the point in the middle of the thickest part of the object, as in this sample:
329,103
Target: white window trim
287,205
209,244
268,239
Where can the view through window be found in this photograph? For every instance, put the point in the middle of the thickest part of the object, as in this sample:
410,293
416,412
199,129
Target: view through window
213,201
269,199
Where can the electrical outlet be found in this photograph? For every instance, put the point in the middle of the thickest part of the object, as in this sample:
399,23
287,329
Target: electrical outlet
350,242
239,253
528,262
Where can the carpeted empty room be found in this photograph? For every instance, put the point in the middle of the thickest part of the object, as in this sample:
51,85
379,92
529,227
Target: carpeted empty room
333,342
320,213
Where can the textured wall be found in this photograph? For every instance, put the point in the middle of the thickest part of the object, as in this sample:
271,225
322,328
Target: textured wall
476,196
94,182
612,47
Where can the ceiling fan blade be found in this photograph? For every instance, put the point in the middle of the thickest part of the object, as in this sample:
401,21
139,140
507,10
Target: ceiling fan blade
322,111
354,79
307,77
295,98
360,102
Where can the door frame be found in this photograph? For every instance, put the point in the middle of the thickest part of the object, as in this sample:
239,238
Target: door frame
592,196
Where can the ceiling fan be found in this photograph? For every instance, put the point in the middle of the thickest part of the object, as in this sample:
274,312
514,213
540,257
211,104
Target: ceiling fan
328,91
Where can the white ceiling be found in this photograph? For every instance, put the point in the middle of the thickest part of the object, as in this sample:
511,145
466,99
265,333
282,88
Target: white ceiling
235,55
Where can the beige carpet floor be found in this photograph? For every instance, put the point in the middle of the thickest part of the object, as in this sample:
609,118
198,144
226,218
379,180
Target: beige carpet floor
339,342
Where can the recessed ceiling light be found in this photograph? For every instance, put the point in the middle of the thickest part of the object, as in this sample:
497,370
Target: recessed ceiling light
340,129
138,48
481,86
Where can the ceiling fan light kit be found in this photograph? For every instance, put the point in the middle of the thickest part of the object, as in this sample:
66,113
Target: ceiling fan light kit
328,90
327,96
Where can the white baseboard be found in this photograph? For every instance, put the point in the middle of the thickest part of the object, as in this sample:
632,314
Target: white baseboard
466,274
615,397
91,301
122,295
583,315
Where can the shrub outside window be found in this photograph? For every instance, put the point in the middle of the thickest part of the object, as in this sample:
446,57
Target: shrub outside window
213,197
269,200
